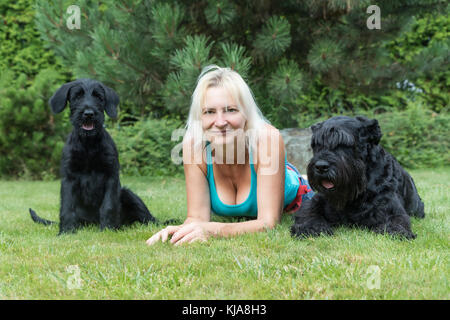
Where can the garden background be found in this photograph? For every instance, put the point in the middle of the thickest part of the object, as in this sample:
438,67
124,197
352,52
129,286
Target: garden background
304,60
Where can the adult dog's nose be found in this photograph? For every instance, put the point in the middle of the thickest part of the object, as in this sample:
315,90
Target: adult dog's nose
322,166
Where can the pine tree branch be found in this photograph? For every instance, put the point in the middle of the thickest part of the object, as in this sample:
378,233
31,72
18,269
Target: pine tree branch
57,25
52,38
117,57
128,9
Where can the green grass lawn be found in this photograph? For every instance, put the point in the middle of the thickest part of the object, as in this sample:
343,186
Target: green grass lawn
352,264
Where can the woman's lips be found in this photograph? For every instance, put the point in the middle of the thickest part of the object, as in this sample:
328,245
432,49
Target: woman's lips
224,132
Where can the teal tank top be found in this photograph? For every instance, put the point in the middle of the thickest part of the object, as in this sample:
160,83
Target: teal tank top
248,208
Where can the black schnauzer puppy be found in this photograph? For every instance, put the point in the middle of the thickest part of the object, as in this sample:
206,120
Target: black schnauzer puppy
90,186
358,183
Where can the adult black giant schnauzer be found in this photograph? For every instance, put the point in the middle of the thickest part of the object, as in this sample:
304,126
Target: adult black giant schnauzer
90,186
358,183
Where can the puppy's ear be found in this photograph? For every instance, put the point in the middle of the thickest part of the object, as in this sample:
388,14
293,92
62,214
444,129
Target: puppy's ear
372,128
59,99
112,101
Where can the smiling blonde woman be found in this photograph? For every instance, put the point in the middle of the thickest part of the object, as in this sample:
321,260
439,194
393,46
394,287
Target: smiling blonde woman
234,164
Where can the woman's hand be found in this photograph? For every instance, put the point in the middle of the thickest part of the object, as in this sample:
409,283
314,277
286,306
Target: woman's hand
195,231
187,233
163,235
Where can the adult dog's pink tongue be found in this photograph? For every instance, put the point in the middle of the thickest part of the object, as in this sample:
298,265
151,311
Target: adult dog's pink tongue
89,126
327,184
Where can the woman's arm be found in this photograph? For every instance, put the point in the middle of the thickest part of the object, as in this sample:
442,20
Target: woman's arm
197,192
197,187
271,175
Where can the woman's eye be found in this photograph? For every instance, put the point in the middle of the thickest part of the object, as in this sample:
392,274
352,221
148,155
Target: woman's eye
208,112
231,110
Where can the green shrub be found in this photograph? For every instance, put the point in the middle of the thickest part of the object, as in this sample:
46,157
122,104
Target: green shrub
21,49
31,138
145,147
416,136
426,47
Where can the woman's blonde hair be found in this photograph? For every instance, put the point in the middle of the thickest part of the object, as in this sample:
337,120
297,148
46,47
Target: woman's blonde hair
232,82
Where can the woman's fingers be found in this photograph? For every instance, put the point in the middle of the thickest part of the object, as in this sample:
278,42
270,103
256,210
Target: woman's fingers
182,232
191,237
184,239
162,235
153,238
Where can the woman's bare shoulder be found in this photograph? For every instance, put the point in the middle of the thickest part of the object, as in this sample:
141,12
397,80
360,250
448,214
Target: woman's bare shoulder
270,147
268,135
193,155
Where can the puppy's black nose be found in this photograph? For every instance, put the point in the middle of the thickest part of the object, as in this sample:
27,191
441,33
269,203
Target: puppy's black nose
88,113
322,166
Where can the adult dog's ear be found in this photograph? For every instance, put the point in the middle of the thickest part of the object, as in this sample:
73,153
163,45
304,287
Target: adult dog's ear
372,129
59,99
316,126
112,101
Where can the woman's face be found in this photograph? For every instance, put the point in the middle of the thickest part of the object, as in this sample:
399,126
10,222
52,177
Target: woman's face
221,118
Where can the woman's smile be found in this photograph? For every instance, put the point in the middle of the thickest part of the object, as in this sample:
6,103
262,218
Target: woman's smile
221,132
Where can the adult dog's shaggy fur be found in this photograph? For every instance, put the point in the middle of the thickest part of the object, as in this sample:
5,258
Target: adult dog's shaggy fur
90,186
357,182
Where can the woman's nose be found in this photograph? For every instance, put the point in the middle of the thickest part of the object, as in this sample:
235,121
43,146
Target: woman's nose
220,120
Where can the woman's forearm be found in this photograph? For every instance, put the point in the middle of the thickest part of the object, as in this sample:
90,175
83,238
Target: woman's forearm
219,229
